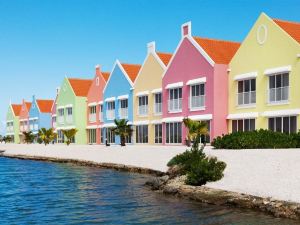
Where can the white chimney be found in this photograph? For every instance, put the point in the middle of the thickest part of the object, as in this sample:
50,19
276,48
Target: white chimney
186,29
151,47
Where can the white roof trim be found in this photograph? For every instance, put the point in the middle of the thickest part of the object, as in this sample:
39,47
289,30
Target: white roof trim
100,103
33,118
157,90
54,115
172,119
69,106
276,70
276,113
22,120
65,128
108,125
196,81
156,121
92,104
174,85
245,76
142,93
9,121
123,97
60,107
141,122
235,116
111,99
92,127
201,117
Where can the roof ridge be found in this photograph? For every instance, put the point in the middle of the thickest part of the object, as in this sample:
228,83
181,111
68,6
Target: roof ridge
70,78
286,21
131,64
214,39
167,53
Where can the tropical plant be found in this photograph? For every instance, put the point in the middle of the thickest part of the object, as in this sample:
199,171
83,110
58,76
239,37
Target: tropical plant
69,134
46,136
6,139
28,137
195,130
198,168
123,130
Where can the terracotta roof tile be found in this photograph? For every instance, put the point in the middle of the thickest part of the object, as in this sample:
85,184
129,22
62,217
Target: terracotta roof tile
105,75
28,105
165,57
44,105
132,70
292,28
220,51
17,109
80,86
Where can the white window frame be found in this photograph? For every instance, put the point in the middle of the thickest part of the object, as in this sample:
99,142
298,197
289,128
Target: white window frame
157,105
244,121
244,96
175,104
170,131
281,90
282,123
197,98
143,103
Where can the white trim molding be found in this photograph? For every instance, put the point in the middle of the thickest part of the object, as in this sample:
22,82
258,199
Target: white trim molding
106,125
236,116
91,127
157,90
141,122
60,107
156,122
92,104
277,113
53,115
33,118
276,70
201,117
172,119
142,93
111,99
65,128
69,106
100,103
245,76
121,97
174,85
196,81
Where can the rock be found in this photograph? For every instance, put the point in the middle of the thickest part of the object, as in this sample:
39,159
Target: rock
174,171
157,182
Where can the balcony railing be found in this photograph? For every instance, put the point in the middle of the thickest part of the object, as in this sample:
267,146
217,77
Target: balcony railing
175,105
277,95
110,114
157,108
36,126
123,113
142,110
61,119
92,117
69,118
246,98
197,102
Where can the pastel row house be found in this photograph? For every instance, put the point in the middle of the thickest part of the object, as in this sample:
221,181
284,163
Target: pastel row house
264,78
13,122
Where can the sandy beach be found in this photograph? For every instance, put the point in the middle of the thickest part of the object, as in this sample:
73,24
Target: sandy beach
264,173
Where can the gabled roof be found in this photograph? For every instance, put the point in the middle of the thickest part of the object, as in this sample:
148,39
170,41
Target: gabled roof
16,109
80,86
292,28
45,106
105,75
164,57
132,70
220,51
28,105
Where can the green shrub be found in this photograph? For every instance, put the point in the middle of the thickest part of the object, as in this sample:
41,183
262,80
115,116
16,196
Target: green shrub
257,139
199,168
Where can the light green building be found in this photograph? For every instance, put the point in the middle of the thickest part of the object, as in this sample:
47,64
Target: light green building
71,109
13,123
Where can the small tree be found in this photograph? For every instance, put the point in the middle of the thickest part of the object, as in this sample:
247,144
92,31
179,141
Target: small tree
69,134
195,130
28,137
46,135
6,139
123,130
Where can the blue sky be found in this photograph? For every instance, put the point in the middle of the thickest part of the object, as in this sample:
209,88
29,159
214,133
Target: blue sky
42,41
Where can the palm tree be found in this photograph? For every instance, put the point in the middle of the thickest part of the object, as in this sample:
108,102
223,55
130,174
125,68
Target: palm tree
7,139
70,134
28,137
195,130
123,130
47,135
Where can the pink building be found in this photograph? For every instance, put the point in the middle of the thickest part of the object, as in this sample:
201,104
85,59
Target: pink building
195,86
53,112
95,107
24,119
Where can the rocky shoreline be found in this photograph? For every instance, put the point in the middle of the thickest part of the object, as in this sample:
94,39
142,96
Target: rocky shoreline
162,183
177,187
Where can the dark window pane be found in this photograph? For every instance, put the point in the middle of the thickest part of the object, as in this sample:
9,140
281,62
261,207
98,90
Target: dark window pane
278,125
252,124
240,125
240,87
278,81
272,81
286,124
247,85
253,85
271,124
293,124
246,125
285,80
234,126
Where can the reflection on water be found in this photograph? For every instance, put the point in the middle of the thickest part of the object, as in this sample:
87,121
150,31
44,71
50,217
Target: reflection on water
33,192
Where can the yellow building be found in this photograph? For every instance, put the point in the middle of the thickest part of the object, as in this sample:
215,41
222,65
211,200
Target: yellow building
147,97
264,78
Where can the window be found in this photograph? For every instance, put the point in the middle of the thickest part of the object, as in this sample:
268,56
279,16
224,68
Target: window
102,132
142,134
158,104
279,88
92,136
60,136
123,110
243,125
175,100
101,113
286,124
206,138
247,92
69,117
173,133
143,105
110,113
97,81
110,135
158,133
92,114
197,96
